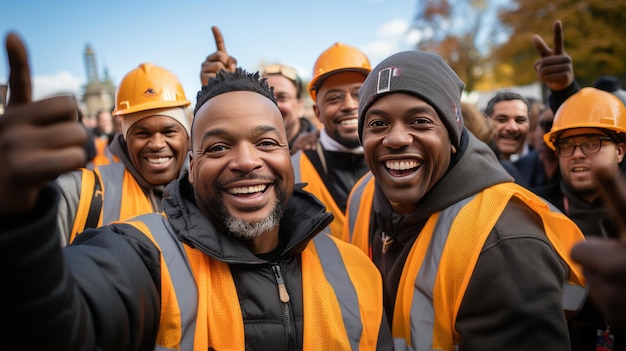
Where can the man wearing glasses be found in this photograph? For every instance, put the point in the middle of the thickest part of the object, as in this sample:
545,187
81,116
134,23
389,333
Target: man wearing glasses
288,93
587,134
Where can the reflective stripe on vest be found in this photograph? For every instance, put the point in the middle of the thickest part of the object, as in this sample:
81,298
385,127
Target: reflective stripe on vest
305,172
123,197
430,295
112,177
360,202
361,197
180,296
422,311
337,276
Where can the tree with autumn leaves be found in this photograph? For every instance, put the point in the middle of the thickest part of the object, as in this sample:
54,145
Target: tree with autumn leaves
488,42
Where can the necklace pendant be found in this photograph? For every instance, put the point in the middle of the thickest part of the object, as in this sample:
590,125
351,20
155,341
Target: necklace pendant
386,240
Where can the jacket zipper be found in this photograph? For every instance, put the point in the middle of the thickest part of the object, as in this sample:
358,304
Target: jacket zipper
284,299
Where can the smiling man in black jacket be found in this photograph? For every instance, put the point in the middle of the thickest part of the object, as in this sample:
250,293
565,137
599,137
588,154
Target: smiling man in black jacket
235,261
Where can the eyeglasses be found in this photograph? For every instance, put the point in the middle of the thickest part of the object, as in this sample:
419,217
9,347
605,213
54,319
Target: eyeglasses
287,72
588,145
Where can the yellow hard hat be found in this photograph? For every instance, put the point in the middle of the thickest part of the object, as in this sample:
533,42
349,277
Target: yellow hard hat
338,58
148,87
588,108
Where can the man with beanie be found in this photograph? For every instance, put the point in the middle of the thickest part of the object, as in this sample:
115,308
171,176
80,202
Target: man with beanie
152,150
469,259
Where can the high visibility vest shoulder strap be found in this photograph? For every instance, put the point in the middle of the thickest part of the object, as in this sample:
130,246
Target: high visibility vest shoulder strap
89,204
200,306
357,227
443,241
305,172
332,267
109,193
179,295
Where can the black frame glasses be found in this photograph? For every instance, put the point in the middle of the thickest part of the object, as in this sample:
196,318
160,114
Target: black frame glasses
287,72
591,145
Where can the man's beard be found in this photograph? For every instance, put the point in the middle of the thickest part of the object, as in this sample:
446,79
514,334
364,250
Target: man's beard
349,142
244,229
249,230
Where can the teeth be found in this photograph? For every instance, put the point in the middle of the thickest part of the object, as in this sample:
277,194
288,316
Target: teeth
401,165
247,189
579,169
158,160
349,122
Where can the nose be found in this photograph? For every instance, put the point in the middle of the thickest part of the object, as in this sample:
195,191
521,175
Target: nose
157,141
246,159
350,102
578,151
397,137
511,125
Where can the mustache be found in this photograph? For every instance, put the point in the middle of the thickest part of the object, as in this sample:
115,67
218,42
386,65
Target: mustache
251,176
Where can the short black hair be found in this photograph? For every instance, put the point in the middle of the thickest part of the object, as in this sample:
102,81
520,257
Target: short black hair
505,95
239,80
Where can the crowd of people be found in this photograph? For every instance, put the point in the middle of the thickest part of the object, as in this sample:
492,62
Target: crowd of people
405,219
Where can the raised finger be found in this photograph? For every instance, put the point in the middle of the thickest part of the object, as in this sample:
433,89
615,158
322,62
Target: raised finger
219,40
19,77
559,42
542,48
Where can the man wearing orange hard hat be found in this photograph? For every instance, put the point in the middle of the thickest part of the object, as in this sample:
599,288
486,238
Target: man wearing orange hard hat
588,134
152,149
337,163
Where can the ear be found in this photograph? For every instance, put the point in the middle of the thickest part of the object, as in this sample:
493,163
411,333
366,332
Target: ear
190,175
621,148
316,110
453,149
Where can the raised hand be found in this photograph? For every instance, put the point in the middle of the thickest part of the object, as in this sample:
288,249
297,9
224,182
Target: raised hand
604,261
555,66
217,60
38,140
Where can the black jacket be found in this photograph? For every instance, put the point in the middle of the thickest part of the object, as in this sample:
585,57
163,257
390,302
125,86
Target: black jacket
103,292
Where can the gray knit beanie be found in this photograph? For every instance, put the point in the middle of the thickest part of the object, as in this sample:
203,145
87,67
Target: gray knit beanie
422,74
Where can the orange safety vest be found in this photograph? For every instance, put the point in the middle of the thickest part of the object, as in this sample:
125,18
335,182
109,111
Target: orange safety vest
109,193
440,289
305,172
103,156
342,295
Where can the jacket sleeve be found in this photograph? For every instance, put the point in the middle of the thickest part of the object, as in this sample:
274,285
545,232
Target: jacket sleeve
100,294
558,97
514,298
69,188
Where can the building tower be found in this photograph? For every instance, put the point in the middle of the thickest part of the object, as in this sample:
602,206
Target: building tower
99,94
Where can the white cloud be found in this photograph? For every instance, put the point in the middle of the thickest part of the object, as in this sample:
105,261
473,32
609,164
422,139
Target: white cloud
413,36
392,36
60,83
393,28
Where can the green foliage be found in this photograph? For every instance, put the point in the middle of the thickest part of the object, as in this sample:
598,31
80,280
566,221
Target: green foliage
489,42
594,32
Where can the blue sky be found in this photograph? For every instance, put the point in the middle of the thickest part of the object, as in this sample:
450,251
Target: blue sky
177,35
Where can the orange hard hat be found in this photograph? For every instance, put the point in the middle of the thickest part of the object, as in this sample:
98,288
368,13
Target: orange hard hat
588,108
338,58
148,87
